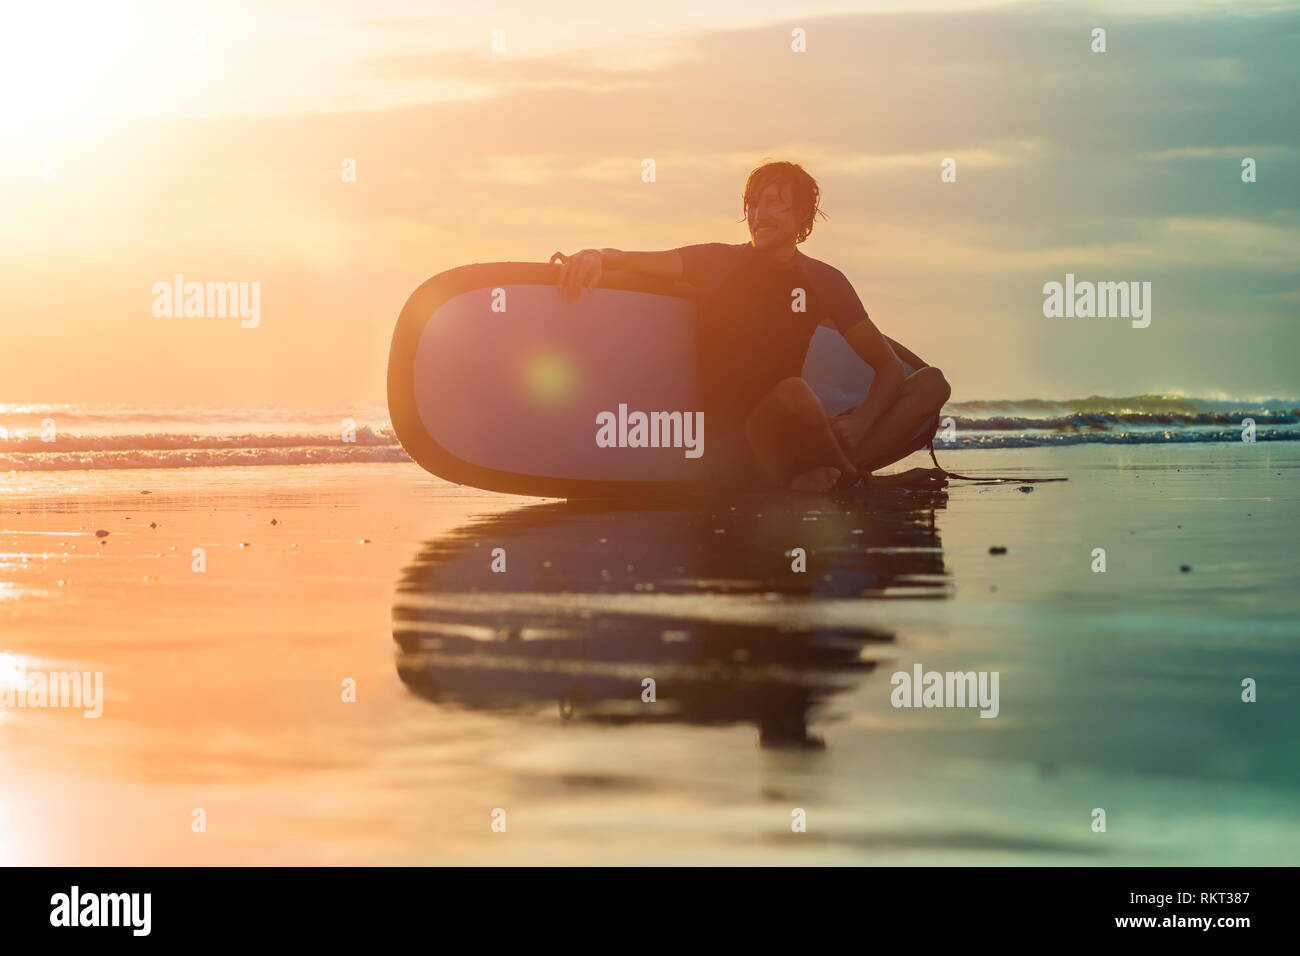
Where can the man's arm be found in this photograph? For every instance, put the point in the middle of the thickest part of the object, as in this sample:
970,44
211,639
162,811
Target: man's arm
582,270
873,348
846,311
665,265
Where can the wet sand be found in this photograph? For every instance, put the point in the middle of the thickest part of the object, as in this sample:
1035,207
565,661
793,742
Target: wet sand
522,690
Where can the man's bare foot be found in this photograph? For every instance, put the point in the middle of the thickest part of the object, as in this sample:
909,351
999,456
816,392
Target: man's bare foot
824,478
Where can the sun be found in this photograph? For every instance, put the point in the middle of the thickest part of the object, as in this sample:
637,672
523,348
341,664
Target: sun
66,66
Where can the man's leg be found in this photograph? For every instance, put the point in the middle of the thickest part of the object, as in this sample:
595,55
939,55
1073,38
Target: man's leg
893,436
792,440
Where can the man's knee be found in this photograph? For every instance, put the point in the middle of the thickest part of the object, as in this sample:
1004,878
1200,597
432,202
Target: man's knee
931,382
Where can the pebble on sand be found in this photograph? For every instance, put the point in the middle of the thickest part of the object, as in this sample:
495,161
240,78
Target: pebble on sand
101,533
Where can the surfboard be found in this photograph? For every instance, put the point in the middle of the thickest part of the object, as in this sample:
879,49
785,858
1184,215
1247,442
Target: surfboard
495,381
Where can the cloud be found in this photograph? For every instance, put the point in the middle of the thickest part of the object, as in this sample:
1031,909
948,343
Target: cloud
1115,166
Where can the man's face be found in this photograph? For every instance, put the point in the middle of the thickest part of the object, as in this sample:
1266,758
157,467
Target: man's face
772,219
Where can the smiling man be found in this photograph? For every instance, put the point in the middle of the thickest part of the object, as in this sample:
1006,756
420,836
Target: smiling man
759,304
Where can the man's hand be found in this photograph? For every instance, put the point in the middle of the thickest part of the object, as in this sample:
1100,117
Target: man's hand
579,272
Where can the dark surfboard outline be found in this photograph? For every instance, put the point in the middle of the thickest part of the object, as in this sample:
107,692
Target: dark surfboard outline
404,413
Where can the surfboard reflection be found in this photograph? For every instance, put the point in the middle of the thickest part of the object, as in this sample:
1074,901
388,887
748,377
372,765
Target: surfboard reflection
597,607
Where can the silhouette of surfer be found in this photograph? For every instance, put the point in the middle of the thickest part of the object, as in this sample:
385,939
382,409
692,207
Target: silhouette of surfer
758,305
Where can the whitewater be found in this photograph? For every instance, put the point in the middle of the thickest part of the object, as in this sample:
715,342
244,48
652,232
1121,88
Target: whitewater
53,437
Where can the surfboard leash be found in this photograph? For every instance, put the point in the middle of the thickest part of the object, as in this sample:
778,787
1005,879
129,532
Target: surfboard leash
988,479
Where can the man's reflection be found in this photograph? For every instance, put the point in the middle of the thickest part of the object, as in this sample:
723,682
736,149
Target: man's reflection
717,611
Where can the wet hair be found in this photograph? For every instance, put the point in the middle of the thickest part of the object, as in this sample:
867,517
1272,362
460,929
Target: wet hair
804,192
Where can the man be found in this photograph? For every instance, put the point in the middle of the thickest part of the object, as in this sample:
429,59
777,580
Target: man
759,303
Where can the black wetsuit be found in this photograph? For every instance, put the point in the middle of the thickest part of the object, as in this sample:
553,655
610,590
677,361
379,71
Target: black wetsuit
749,337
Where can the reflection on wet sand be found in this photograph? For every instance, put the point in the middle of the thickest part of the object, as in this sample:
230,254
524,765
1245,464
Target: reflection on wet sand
685,611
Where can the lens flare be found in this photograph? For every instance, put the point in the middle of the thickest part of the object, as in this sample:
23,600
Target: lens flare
549,378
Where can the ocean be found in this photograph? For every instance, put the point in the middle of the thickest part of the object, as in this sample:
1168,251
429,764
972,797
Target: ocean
35,437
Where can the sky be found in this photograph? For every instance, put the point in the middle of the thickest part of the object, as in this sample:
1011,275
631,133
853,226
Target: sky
142,140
